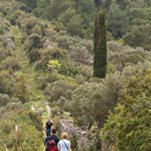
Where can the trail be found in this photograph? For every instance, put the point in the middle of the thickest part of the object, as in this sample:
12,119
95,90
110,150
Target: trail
27,69
37,100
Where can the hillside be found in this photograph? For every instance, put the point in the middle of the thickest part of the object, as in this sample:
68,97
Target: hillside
46,60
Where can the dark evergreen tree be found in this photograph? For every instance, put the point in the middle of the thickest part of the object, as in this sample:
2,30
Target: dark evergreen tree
29,3
100,50
97,3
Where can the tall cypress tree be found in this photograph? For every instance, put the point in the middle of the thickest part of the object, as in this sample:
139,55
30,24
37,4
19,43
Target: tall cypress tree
97,3
100,50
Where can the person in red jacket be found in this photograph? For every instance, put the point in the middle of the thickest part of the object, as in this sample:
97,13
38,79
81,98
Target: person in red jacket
51,141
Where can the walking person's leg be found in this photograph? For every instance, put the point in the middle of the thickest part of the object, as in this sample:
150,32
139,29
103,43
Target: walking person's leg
47,132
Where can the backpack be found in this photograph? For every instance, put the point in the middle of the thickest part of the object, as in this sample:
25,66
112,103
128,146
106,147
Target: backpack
52,145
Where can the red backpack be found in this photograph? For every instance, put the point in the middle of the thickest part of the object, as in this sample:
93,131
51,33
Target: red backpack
52,145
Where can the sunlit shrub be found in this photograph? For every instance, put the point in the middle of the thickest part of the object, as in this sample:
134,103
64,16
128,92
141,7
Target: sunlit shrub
58,89
50,54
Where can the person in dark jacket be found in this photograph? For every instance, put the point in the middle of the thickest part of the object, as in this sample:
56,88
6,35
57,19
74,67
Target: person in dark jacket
52,137
48,127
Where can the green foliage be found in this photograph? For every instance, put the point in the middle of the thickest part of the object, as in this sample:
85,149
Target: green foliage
139,36
28,24
6,83
4,53
55,38
100,50
76,16
74,27
27,137
73,139
14,85
120,56
10,63
4,99
33,42
128,128
90,103
68,68
16,17
116,20
54,64
59,89
34,55
50,54
1,30
20,89
36,120
30,3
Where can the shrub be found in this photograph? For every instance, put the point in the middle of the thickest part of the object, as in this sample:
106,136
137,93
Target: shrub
91,102
34,55
58,89
4,99
6,82
127,128
10,63
68,68
79,53
33,41
4,53
28,23
64,41
44,80
50,54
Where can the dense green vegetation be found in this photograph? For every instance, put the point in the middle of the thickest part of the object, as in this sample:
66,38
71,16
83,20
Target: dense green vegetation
46,55
100,50
128,128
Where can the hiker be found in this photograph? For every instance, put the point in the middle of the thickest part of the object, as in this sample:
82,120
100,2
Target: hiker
51,142
64,144
48,127
40,112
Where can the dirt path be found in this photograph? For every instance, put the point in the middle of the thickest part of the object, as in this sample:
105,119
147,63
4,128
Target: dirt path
37,100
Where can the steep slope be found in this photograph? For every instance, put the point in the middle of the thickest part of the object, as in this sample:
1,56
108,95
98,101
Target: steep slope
27,69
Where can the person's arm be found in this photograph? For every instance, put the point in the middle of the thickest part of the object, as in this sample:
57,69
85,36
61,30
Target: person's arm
57,140
58,146
69,147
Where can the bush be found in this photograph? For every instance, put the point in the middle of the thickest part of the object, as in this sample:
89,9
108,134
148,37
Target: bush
50,54
28,23
68,68
127,128
91,102
64,41
4,99
34,55
59,89
10,63
79,53
6,82
4,53
33,41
